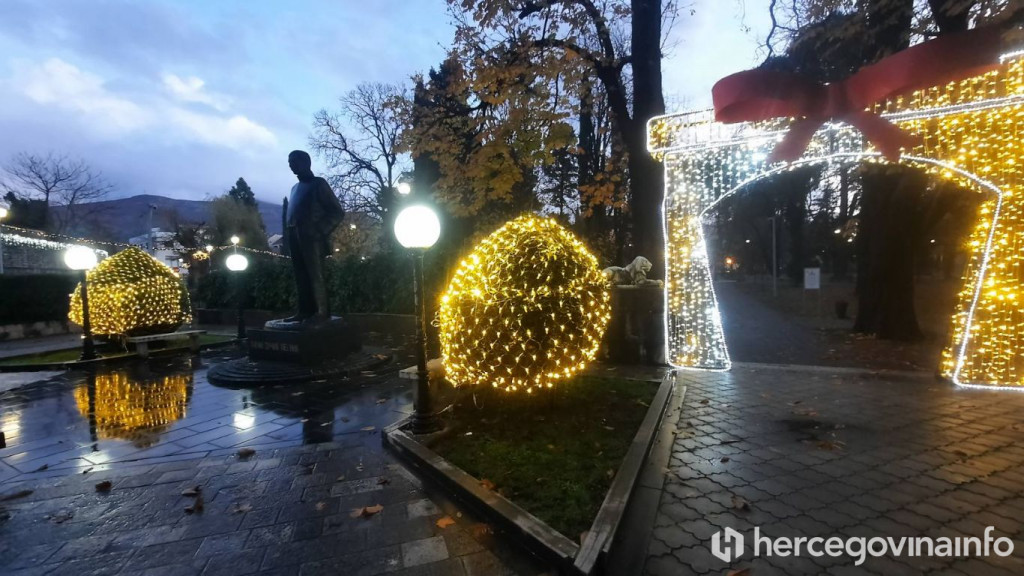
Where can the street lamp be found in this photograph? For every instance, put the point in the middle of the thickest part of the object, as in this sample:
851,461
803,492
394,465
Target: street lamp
83,259
3,214
404,188
209,248
417,228
238,263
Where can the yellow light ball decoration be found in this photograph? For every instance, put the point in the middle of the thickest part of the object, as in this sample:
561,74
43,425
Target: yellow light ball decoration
132,293
525,309
127,409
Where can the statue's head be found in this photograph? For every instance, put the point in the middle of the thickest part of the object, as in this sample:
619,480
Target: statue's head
299,162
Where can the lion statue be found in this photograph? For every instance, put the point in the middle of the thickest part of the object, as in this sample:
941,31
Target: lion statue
634,274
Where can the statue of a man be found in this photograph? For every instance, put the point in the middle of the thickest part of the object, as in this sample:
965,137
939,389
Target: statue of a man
311,215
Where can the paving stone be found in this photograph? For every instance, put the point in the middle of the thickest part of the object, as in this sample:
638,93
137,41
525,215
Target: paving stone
424,551
421,508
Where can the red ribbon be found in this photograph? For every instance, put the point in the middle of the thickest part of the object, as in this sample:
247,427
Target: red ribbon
757,94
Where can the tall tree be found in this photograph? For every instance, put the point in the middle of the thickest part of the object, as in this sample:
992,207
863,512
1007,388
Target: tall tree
550,48
56,180
360,142
243,193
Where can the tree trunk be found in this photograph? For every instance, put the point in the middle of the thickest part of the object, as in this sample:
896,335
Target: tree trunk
886,245
645,174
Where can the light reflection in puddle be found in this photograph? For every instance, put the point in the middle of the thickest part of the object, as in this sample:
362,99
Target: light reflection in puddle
124,408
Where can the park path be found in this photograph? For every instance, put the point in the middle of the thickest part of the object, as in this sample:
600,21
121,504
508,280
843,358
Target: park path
756,333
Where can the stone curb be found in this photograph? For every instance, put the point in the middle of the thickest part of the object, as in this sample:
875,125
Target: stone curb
75,364
540,538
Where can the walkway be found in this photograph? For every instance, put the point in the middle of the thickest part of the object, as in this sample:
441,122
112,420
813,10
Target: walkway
832,452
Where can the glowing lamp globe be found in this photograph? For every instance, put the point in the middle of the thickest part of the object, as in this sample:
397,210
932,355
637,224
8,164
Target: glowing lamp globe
209,247
525,310
404,188
237,263
131,293
417,227
235,240
80,258
3,212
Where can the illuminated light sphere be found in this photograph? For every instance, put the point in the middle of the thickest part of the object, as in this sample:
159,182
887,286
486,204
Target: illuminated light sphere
404,188
127,409
417,227
209,248
237,263
3,212
131,293
235,240
526,309
80,258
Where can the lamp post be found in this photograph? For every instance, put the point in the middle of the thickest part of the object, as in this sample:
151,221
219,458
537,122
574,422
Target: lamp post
83,259
238,263
417,228
3,214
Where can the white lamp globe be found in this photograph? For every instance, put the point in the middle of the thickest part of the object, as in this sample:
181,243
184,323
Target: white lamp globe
237,262
3,212
234,240
209,247
417,227
80,258
404,188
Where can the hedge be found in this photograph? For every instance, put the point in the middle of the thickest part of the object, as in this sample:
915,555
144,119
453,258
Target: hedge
35,297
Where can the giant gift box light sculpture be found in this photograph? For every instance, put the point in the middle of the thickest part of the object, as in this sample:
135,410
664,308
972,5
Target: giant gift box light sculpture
953,106
132,293
526,309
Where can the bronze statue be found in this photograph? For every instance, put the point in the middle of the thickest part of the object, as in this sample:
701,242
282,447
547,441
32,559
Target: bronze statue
311,213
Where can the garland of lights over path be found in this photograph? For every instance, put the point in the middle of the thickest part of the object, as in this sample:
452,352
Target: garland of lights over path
969,131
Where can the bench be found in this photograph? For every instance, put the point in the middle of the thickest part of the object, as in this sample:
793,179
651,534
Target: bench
142,342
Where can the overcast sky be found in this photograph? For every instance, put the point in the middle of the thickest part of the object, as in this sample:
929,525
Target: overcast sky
181,97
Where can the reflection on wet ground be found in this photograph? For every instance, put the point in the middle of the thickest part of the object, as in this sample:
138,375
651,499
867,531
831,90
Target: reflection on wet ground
167,410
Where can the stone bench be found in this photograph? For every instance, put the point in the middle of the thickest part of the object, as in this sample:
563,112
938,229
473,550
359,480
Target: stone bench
142,342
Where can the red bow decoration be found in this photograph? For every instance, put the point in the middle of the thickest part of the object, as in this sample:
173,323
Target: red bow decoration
757,94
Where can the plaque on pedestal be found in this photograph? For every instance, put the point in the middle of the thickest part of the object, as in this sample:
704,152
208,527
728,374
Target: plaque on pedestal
323,342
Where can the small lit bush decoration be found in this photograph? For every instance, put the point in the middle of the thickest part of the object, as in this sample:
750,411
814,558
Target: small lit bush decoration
131,293
127,409
525,309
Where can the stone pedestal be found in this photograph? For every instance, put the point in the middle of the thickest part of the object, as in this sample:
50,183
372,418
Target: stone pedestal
636,332
293,353
309,346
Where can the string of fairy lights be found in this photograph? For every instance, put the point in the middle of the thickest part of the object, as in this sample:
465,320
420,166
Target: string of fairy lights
524,310
971,133
132,293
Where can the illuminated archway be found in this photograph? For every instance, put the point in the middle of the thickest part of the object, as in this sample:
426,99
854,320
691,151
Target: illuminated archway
970,131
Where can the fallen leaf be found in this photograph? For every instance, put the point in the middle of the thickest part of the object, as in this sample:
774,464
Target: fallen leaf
740,504
320,506
830,445
62,517
382,481
41,468
15,496
241,508
609,473
724,442
366,511
458,514
487,484
481,530
244,453
445,522
104,486
382,356
725,459
86,471
340,479
583,536
359,468
368,428
382,401
742,572
196,506
704,401
191,492
344,419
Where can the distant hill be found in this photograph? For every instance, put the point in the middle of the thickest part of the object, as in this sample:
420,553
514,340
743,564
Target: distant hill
124,218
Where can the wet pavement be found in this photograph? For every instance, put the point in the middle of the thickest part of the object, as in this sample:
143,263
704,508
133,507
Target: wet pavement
158,429
826,452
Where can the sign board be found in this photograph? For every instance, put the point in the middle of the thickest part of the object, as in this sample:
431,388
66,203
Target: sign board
812,278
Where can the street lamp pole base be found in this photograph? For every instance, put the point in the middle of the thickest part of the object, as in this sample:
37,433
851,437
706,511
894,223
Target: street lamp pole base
427,423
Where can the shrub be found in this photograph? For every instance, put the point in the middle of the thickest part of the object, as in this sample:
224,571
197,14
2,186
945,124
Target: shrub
35,297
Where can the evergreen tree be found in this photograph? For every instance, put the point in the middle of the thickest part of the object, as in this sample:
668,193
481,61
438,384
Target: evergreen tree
242,193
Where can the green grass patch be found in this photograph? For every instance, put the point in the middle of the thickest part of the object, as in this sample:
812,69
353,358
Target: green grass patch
554,454
102,350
